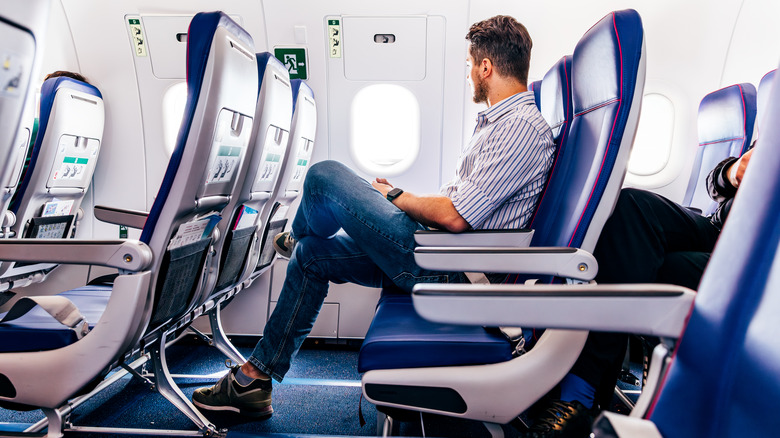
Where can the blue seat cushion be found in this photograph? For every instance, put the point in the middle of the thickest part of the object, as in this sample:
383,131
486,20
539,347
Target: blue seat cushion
38,331
400,338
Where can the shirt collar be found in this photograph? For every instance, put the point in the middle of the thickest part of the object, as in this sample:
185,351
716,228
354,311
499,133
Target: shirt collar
496,111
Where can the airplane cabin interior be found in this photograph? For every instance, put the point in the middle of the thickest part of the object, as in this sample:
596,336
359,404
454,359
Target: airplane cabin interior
156,156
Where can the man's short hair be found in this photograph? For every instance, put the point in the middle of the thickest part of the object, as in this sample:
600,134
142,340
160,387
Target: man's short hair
505,42
67,74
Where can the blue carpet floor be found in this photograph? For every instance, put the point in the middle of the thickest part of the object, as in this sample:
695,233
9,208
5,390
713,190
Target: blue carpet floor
320,395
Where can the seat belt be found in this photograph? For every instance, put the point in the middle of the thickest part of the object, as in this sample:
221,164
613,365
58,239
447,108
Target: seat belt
513,334
477,277
60,308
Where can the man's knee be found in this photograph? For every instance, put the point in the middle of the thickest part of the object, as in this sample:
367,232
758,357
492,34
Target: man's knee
324,171
632,195
632,203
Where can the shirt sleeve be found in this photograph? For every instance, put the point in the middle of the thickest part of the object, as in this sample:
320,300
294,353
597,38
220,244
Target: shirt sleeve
718,184
514,154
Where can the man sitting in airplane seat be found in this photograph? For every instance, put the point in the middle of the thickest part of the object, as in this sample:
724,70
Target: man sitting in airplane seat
34,132
349,230
648,239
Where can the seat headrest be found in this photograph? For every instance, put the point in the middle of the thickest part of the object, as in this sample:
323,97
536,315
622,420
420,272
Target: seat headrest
725,125
200,36
727,116
49,91
606,67
300,87
602,61
555,98
762,99
263,59
536,87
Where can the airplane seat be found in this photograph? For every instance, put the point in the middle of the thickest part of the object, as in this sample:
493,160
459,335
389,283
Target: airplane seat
270,140
590,171
48,200
22,29
535,87
160,274
237,253
725,125
223,120
762,98
725,364
295,165
459,345
39,331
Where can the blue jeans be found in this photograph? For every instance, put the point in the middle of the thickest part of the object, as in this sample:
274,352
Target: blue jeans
347,232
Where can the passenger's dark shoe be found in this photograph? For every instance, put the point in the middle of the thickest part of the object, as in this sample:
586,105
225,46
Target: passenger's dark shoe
253,400
562,419
284,244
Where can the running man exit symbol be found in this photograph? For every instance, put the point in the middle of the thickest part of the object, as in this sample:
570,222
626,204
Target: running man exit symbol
291,61
294,59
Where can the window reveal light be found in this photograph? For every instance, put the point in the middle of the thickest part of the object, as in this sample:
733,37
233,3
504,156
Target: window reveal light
174,101
385,129
653,142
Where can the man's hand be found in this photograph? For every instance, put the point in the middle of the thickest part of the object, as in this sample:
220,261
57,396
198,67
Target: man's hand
435,211
382,185
737,169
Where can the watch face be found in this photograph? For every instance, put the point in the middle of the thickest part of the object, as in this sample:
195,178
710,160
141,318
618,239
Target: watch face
392,194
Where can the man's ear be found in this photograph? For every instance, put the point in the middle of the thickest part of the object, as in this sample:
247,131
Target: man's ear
486,68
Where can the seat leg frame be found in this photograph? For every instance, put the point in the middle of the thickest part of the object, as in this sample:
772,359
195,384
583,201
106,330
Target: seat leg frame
168,389
219,338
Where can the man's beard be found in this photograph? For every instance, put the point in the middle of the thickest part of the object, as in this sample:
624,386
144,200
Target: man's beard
480,90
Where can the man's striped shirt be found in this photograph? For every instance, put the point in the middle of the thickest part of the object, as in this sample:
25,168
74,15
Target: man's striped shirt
502,171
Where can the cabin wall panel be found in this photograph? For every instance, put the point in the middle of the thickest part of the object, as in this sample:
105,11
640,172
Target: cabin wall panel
280,28
105,57
755,45
59,50
132,164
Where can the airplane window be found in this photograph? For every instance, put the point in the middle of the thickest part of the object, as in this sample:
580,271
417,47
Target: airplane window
653,142
173,103
385,131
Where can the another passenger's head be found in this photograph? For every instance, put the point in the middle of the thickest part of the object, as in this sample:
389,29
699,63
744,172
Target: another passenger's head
504,44
67,74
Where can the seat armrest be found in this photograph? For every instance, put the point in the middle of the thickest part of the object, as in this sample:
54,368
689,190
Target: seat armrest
571,263
612,425
478,238
8,219
610,308
119,216
129,255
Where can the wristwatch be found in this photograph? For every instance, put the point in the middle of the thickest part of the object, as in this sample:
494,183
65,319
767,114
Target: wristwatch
394,193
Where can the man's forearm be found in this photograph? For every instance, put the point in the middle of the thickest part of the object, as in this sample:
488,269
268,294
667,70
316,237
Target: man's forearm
433,211
718,184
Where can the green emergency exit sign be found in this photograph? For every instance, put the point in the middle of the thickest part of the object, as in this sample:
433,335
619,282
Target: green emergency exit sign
295,61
